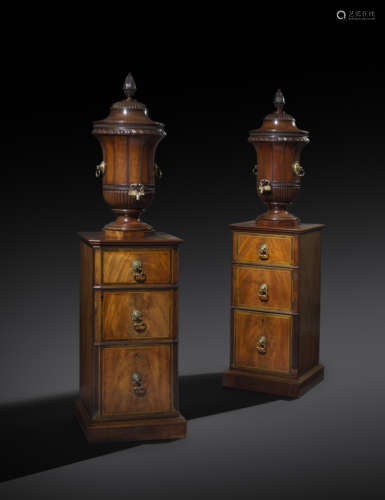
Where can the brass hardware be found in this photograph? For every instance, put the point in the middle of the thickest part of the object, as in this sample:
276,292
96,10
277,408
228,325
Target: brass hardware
264,252
254,170
261,344
100,169
158,172
262,293
136,190
137,271
136,380
298,170
137,320
264,186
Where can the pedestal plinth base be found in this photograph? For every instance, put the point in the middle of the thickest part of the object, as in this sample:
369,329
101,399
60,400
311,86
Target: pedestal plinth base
273,384
144,429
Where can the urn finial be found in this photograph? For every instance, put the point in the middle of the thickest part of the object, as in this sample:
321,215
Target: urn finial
279,101
129,86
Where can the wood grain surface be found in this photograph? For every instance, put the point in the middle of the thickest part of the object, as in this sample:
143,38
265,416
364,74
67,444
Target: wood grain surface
248,329
152,363
156,307
117,262
248,280
280,248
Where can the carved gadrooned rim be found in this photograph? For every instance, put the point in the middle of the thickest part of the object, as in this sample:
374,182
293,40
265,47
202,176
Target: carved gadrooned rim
277,138
128,131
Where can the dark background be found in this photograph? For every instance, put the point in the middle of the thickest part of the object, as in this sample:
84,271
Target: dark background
210,78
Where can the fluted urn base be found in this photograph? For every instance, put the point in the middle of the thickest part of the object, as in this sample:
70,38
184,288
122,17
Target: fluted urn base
127,224
278,216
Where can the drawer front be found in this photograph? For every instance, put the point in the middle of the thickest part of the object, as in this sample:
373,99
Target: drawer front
136,266
264,249
137,314
263,288
262,341
136,380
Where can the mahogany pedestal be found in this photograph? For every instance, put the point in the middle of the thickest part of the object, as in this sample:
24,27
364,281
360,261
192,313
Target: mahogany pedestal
129,338
275,316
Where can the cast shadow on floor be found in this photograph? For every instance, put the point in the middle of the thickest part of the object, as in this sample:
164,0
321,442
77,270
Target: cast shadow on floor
44,434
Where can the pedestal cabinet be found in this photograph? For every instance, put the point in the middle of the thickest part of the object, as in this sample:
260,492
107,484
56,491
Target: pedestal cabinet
275,309
128,338
275,314
129,295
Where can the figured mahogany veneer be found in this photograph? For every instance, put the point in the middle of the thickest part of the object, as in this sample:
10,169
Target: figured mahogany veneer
154,363
248,329
250,249
116,309
275,336
128,338
117,265
281,283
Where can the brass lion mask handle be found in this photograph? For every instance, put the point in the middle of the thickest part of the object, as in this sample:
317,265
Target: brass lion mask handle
137,271
263,252
137,320
261,344
263,292
136,380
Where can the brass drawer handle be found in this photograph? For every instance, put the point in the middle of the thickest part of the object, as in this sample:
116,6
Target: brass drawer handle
137,320
298,170
264,186
262,293
136,380
100,169
137,271
261,345
264,252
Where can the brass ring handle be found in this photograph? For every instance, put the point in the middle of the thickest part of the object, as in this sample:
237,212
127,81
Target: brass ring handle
137,271
100,169
263,293
261,344
298,170
263,252
137,320
254,170
264,186
158,171
136,380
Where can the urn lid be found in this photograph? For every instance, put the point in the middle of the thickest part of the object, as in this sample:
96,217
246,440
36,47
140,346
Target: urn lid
278,125
128,117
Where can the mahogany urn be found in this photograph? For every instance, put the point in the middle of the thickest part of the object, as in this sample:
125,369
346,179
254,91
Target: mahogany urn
128,138
278,143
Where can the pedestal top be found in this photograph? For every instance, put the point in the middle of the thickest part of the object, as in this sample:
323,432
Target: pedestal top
151,238
252,226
